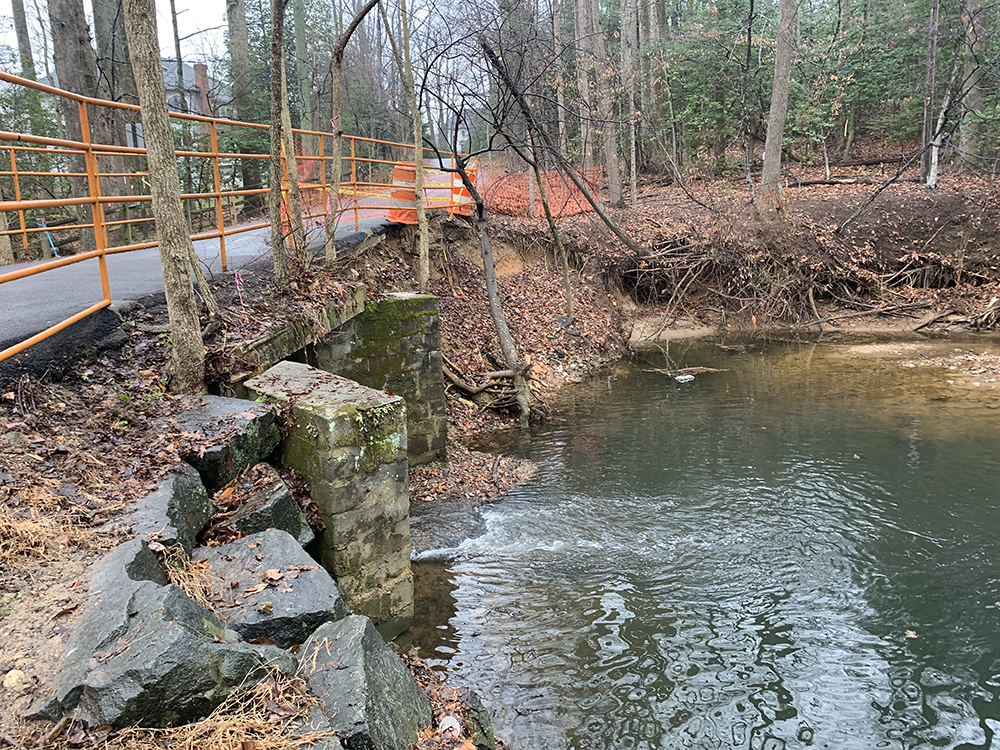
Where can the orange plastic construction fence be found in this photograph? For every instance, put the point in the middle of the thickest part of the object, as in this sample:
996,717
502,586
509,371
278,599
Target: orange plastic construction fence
510,192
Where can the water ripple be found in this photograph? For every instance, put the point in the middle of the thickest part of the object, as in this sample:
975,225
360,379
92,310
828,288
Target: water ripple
714,568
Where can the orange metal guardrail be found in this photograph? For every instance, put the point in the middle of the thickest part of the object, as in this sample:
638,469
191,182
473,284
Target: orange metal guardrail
367,192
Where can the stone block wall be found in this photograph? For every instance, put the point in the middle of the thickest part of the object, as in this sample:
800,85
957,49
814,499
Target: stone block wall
349,441
395,345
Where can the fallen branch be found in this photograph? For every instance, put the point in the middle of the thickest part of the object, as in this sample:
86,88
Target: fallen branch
935,319
878,311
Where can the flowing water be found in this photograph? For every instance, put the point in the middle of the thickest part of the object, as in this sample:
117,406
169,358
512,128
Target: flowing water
803,551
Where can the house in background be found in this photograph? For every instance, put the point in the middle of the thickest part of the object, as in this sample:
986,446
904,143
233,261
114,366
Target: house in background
204,95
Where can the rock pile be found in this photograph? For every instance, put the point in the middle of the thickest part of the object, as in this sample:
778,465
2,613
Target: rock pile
145,652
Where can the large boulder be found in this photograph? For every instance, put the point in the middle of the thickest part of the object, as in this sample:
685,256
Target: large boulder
146,653
266,503
236,434
368,695
272,589
176,512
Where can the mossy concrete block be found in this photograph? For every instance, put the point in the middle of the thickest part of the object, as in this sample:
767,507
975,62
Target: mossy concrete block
297,598
368,695
176,512
395,345
349,441
237,433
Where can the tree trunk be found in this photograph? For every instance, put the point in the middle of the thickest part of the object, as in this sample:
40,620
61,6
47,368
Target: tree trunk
278,252
243,95
770,178
302,65
507,347
337,76
582,46
188,351
404,64
975,35
76,69
117,81
294,208
928,130
608,130
630,45
23,40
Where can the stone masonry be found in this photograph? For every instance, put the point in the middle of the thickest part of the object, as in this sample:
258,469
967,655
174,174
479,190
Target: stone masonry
395,345
349,441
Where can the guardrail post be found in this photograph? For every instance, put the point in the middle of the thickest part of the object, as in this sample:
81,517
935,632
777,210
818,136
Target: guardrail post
354,185
322,181
220,213
94,186
17,197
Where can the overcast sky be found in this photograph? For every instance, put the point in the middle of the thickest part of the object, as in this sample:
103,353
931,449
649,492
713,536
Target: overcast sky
192,16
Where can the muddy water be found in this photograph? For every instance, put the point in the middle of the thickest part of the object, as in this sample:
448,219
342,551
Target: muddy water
801,552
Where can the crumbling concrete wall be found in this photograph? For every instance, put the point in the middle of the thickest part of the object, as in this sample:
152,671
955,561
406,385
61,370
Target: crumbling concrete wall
395,345
349,441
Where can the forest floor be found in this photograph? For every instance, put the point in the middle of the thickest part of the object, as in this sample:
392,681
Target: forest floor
80,445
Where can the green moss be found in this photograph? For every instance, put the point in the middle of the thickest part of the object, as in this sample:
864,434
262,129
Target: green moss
375,432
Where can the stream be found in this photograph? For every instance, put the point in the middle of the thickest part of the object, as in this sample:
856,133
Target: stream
802,551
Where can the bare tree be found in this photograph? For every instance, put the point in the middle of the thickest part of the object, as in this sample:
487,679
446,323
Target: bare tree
405,66
931,67
23,40
188,351
770,178
337,76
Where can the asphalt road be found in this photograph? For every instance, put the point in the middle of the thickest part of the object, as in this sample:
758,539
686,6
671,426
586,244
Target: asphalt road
32,304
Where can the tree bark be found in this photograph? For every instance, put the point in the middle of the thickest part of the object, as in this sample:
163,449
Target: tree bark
405,66
243,96
76,70
975,34
302,65
582,49
608,130
928,129
294,206
336,123
187,349
770,178
23,40
278,253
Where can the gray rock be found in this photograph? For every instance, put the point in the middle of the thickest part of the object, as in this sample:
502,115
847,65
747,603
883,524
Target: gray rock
271,506
369,696
114,580
480,726
317,722
176,512
145,652
239,434
300,601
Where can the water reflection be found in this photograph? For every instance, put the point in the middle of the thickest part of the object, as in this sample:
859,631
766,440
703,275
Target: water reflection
764,558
